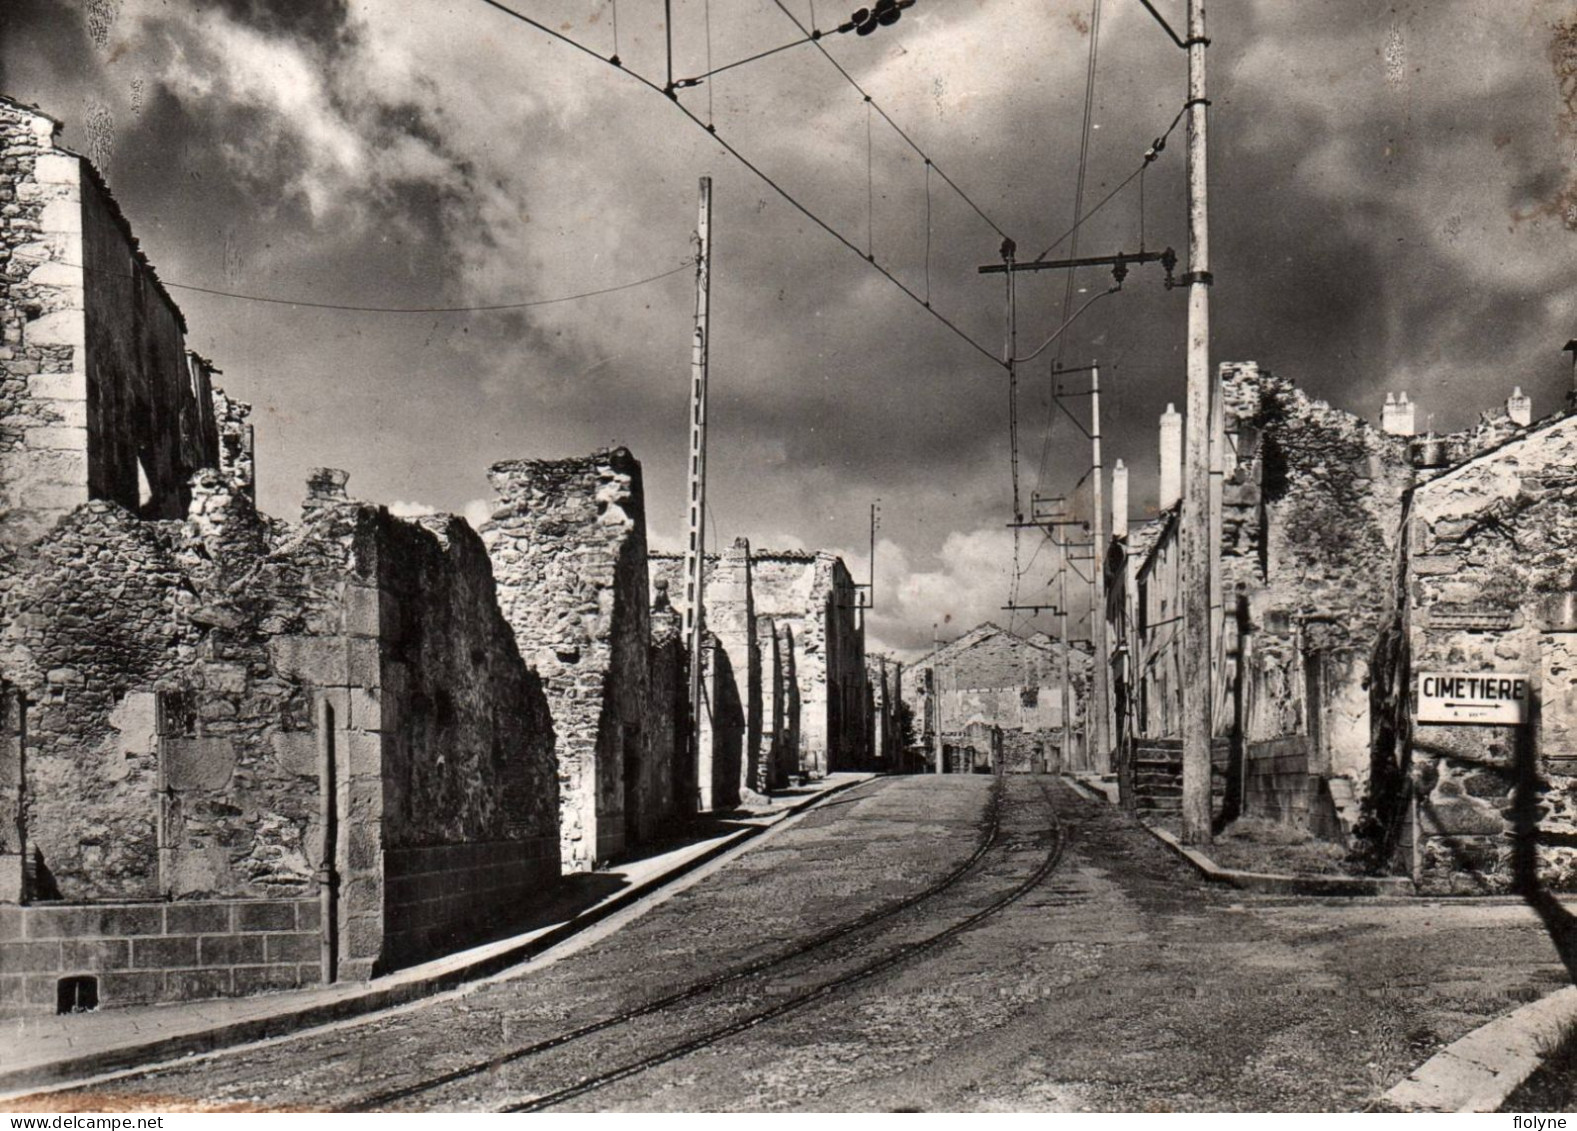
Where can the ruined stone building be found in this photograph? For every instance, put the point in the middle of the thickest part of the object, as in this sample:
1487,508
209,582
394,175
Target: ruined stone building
1324,525
567,540
1485,583
888,717
994,698
811,594
786,686
236,754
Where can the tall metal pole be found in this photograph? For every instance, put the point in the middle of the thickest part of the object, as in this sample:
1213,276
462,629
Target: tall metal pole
1099,727
1196,551
1067,655
695,545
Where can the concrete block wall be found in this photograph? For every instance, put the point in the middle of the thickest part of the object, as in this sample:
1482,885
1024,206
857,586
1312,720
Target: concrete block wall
143,953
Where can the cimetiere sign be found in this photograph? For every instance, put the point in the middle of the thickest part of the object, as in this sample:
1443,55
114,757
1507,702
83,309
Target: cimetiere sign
1494,698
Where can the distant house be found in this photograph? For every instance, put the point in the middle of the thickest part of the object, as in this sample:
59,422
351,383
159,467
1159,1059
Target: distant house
992,694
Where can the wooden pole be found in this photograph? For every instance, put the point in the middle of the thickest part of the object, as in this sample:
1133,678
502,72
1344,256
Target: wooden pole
695,545
1196,551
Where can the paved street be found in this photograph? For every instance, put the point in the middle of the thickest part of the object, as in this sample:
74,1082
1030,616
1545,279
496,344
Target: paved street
1113,981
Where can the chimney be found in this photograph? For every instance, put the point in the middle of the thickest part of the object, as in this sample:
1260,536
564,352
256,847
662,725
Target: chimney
1397,417
1119,501
1519,408
1171,458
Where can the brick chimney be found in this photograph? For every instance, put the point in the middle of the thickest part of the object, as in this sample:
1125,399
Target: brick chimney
1397,417
1519,408
1171,458
1119,500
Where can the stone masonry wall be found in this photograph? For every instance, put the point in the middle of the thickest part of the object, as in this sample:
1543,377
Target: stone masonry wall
470,810
568,544
1490,587
669,784
1312,505
731,619
43,364
142,953
98,398
146,414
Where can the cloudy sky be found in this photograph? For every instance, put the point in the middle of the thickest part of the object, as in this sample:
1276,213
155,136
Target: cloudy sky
1394,206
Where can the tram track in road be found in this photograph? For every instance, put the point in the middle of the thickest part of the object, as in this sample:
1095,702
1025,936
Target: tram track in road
989,839
903,953
1032,826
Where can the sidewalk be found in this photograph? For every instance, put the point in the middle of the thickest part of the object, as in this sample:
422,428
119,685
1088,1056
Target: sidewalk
35,1051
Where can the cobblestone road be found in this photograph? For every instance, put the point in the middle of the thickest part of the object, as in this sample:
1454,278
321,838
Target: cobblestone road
1117,982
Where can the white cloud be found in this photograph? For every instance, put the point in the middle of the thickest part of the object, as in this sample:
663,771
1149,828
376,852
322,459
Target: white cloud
478,511
405,509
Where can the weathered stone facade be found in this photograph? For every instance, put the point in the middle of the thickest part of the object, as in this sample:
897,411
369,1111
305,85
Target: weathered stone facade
231,708
1487,585
568,544
811,594
99,398
1307,517
235,753
797,610
989,683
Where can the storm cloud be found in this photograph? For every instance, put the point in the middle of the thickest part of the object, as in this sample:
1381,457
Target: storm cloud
1391,191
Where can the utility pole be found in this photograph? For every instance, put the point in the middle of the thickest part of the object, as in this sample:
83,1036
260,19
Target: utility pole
1196,551
1067,654
695,545
1099,727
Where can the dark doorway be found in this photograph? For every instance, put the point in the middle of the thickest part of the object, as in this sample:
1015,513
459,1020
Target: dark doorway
77,994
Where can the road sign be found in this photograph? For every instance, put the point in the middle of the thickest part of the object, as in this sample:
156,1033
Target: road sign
1490,698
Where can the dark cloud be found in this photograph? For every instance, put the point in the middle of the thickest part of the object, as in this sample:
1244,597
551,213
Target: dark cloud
1384,216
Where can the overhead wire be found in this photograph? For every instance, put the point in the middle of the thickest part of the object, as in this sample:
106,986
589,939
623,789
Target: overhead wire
1150,156
360,309
733,151
1068,315
850,79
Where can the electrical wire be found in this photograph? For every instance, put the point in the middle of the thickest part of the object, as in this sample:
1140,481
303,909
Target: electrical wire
928,232
888,119
1156,147
356,309
760,173
709,115
1057,333
1084,165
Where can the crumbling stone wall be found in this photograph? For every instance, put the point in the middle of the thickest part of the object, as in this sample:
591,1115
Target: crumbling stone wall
43,367
669,784
470,813
568,544
231,708
731,619
1311,509
1489,586
99,400
769,771
993,677
788,744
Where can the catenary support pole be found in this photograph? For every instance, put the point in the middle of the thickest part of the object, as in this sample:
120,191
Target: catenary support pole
695,514
1197,651
1067,657
1099,725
